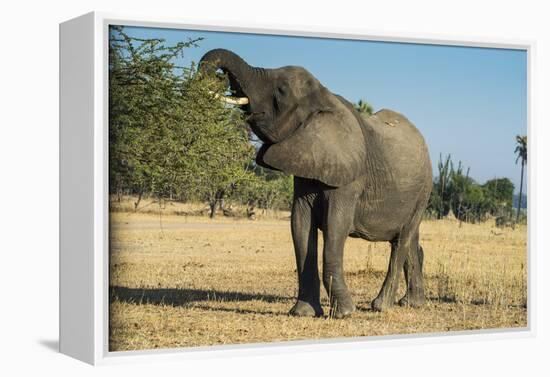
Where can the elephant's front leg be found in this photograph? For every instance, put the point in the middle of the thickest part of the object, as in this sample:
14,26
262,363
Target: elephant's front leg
337,226
304,236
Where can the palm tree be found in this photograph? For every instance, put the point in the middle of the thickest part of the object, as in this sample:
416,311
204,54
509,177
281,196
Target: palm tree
521,150
364,108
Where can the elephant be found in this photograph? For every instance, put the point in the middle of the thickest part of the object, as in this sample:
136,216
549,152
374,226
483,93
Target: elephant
362,177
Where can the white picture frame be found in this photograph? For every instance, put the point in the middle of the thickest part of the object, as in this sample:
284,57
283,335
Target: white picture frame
84,217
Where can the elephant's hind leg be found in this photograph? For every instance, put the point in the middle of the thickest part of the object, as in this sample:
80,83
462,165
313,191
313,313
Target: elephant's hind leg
414,295
386,295
304,236
401,248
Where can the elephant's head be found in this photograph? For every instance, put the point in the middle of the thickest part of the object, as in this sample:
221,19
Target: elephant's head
307,131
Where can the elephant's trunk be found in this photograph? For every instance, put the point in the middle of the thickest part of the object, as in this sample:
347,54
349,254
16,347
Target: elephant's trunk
240,74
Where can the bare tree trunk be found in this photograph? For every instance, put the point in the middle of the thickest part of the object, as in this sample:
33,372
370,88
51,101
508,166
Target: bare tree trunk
136,204
520,192
212,204
220,197
250,213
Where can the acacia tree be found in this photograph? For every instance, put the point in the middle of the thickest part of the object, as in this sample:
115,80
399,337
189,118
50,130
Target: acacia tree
521,151
168,136
220,151
145,99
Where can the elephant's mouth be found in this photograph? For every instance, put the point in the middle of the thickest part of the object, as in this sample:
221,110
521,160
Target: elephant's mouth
237,97
240,98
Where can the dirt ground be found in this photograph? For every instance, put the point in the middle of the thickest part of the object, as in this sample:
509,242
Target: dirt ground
182,281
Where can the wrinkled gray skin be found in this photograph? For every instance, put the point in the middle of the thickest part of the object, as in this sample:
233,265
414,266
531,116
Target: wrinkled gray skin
367,178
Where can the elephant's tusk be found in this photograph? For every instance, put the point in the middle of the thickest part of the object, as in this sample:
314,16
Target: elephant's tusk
232,100
235,100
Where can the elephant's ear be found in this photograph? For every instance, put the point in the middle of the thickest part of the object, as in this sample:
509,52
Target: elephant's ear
328,146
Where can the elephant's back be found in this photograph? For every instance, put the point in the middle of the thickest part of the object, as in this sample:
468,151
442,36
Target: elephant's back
402,146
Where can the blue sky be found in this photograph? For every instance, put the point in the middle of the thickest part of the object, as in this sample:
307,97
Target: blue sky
469,102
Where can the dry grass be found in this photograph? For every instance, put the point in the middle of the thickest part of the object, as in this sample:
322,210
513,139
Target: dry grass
197,281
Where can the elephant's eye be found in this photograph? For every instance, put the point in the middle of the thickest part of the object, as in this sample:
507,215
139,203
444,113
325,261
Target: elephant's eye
280,91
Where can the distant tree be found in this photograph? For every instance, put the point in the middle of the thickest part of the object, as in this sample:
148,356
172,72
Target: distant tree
277,193
474,203
268,190
521,151
455,191
364,108
499,193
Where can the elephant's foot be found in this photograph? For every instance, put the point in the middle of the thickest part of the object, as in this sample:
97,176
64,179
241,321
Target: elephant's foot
341,308
305,309
414,300
381,303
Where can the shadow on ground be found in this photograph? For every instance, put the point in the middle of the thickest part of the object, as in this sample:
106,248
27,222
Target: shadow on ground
182,297
52,345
